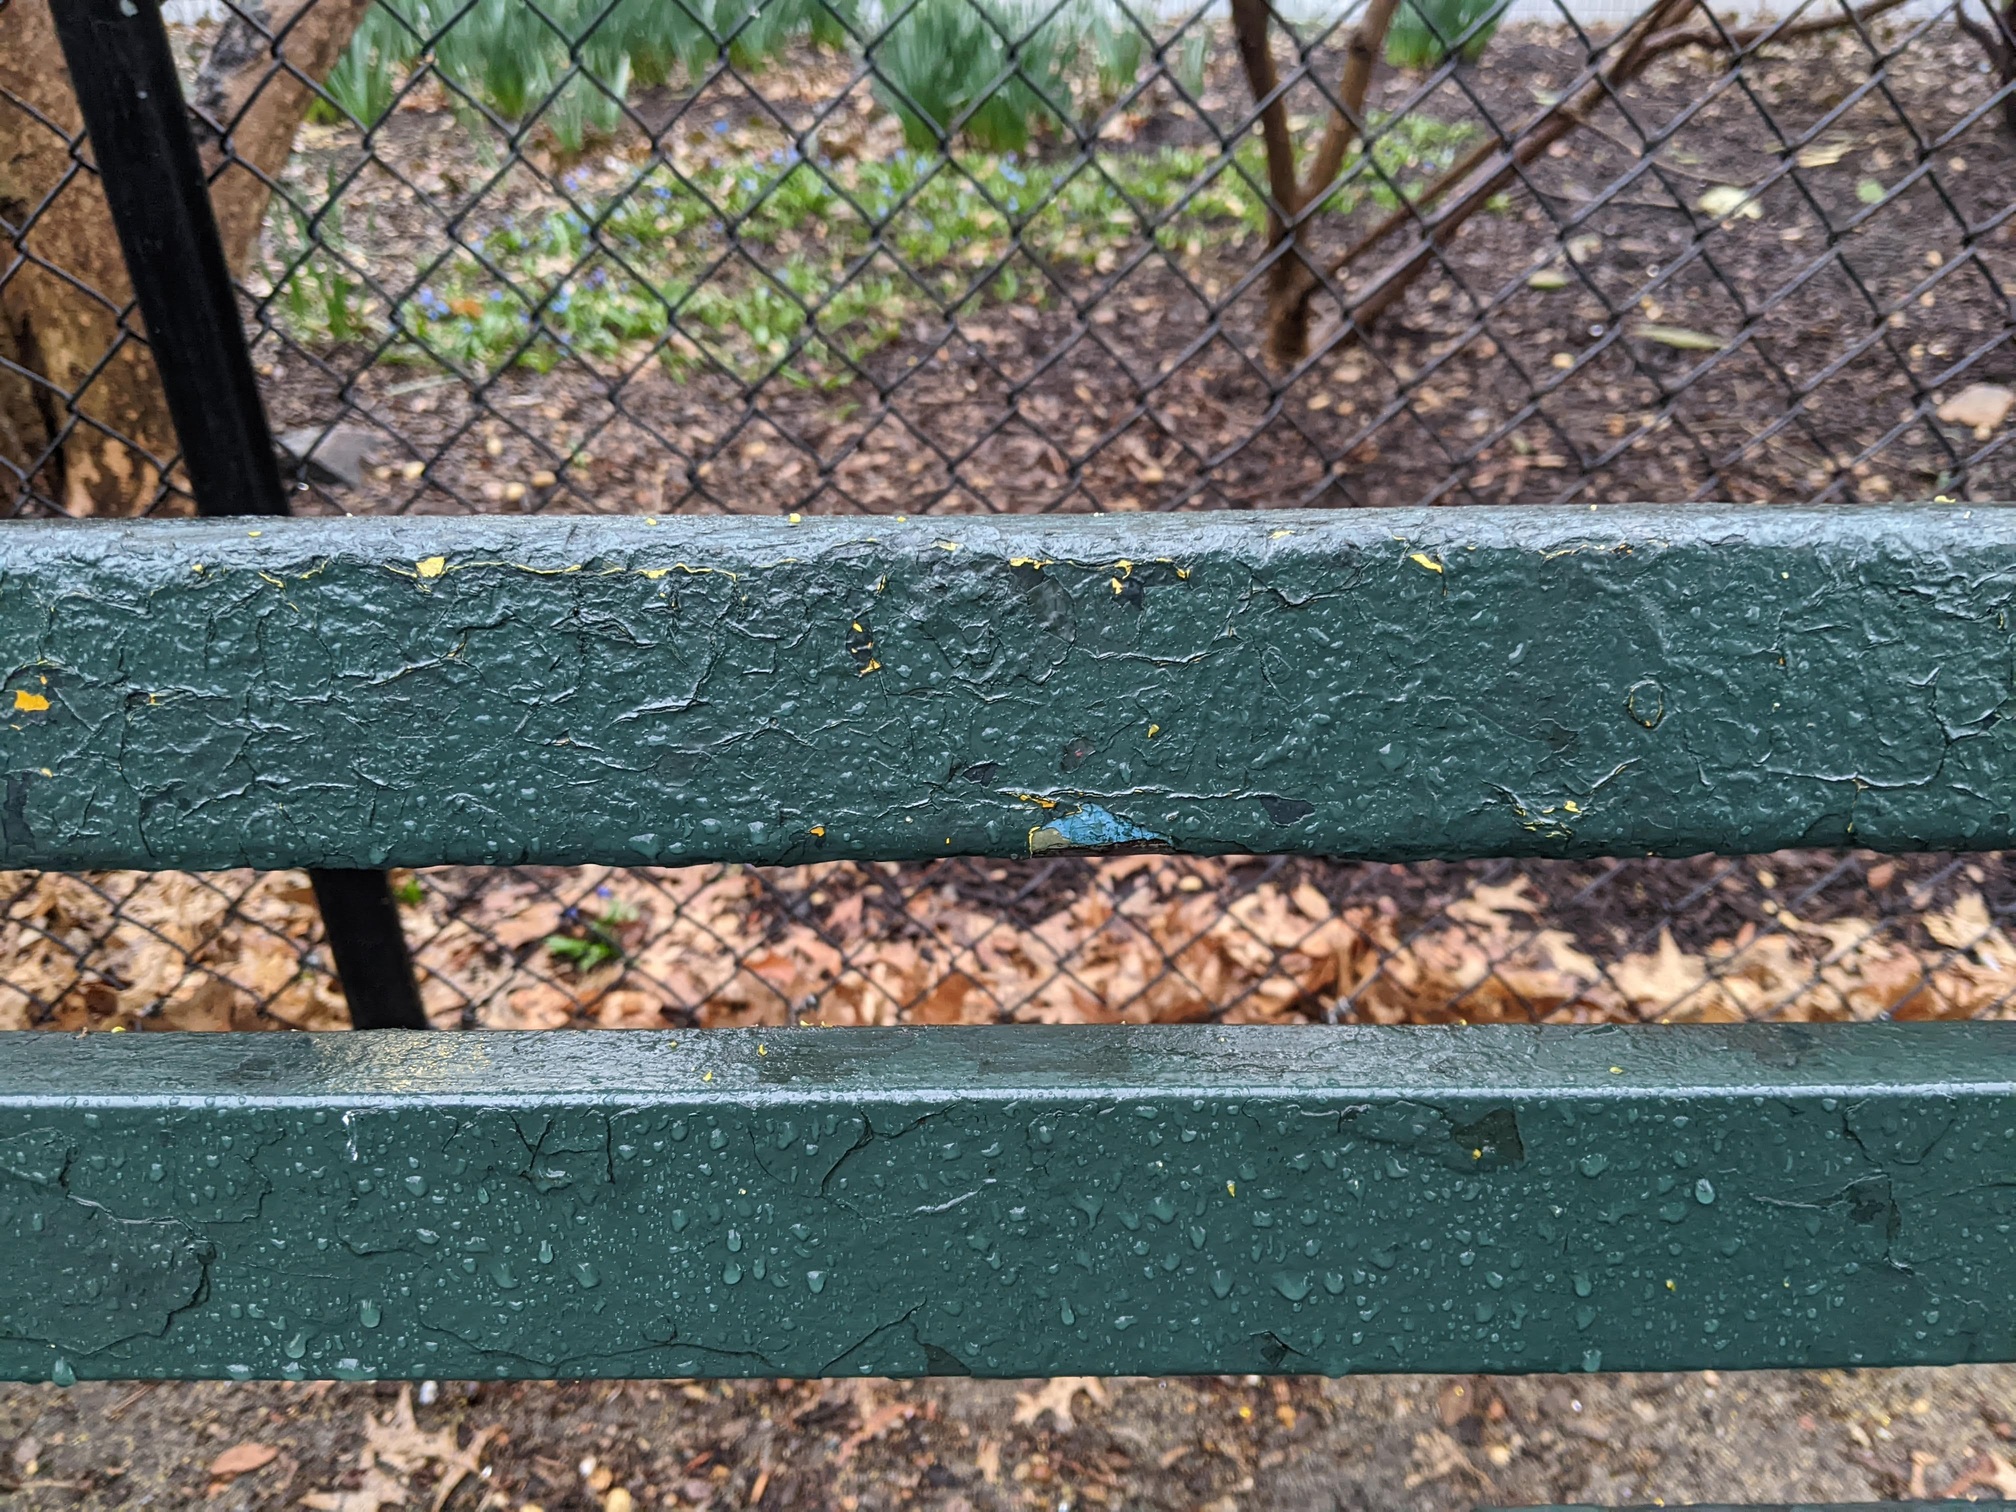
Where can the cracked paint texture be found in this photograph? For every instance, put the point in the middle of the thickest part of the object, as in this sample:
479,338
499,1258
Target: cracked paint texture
1014,1202
1364,683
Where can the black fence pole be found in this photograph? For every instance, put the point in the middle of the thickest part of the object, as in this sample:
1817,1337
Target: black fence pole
124,75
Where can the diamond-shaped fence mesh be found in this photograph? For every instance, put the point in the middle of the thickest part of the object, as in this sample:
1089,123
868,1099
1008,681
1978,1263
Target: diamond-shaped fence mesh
917,256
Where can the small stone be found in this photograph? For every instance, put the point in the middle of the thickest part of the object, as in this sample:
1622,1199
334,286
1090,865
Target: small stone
328,454
514,492
1979,406
543,479
619,1500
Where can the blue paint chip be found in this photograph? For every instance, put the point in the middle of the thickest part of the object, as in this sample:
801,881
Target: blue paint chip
1090,827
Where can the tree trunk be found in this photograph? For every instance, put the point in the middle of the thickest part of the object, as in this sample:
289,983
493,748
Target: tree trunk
83,426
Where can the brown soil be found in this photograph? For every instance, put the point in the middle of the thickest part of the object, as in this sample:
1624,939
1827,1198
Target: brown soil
1141,389
1427,1444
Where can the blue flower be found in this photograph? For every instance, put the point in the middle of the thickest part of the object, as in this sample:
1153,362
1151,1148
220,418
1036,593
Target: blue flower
720,128
433,304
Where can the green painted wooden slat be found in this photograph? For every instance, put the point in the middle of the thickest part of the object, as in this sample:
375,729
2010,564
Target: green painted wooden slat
1011,1201
1450,683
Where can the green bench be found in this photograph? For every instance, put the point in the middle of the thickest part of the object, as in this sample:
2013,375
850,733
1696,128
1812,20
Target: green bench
350,695
357,694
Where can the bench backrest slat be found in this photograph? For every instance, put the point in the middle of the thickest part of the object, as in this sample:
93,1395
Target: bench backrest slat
1379,684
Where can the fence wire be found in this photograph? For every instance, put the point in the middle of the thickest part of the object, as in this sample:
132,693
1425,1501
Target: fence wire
953,256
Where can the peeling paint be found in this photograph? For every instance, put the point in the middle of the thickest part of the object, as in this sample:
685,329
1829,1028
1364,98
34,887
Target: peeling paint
1090,827
1859,696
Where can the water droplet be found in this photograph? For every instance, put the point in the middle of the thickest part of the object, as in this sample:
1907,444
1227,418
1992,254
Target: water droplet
1064,1312
734,1241
368,1314
731,1273
62,1374
1197,1236
587,1275
417,1185
1163,1210
1221,1284
1592,1360
545,1251
500,1272
1594,1165
816,1281
1704,1192
716,1140
296,1346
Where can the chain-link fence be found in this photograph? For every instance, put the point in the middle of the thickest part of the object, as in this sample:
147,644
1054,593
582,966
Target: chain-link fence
965,255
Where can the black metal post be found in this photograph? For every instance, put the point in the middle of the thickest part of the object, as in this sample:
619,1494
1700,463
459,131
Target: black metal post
124,74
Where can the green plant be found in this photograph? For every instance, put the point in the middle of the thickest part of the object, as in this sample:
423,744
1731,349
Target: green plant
382,51
409,893
596,943
1424,32
979,68
314,282
640,275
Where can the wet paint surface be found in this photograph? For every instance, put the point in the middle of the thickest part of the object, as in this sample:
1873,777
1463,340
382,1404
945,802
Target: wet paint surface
1370,683
1014,1202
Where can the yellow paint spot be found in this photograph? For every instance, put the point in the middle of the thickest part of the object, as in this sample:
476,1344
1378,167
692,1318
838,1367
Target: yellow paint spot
254,534
1671,1287
1616,1070
1476,1154
46,772
1183,573
29,703
1037,563
797,519
431,567
946,545
1422,559
762,1050
818,832
707,1076
1153,731
196,567
650,519
1124,565
1276,535
1231,1190
1571,805
1039,802
873,666
1117,586
654,573
857,628
276,582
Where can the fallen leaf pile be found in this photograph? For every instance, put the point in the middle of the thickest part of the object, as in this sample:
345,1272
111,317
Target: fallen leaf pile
1144,939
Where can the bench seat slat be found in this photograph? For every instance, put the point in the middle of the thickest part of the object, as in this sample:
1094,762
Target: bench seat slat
1373,683
1007,1201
